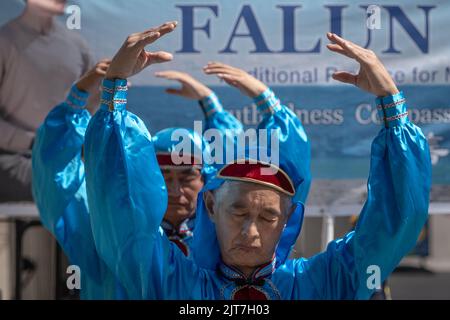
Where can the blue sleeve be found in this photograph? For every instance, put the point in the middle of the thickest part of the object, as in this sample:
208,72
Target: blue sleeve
395,211
293,141
216,117
128,199
59,187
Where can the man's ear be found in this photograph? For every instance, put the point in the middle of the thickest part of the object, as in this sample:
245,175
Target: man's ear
208,198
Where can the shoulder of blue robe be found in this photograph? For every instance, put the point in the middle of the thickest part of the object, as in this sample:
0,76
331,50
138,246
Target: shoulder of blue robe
60,194
126,190
395,211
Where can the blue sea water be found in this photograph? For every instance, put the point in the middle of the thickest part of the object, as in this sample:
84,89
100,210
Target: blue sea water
340,143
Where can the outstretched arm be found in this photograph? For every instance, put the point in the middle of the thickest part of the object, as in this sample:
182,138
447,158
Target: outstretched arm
275,116
215,115
126,190
59,186
398,192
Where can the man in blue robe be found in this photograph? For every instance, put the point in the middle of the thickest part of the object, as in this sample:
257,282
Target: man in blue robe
59,184
247,220
59,187
185,180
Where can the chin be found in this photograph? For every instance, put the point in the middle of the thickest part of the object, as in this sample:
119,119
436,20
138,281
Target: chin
250,259
178,211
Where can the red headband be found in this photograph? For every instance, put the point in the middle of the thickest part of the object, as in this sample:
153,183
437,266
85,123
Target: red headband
165,160
252,172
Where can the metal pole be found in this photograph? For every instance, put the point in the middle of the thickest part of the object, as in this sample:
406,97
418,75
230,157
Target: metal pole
327,230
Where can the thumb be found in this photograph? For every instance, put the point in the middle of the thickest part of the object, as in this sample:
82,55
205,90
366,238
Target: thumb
345,77
158,57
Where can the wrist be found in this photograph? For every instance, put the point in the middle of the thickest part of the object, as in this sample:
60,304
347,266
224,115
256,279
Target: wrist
87,85
203,94
210,104
388,92
267,102
77,97
112,75
392,109
257,92
114,94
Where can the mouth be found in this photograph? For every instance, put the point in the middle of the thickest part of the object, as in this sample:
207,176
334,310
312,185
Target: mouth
176,204
246,248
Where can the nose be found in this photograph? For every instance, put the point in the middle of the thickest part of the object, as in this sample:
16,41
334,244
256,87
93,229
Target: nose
250,229
174,185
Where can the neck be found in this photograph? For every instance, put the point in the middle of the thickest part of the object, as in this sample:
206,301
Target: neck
246,271
175,221
37,19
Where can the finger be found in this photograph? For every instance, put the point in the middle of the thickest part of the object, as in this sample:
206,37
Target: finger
104,64
157,57
145,40
167,27
105,60
352,50
101,72
337,48
101,69
216,70
163,28
345,77
215,64
170,75
229,79
161,31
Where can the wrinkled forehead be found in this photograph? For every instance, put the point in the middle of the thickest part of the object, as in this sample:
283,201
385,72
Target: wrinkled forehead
244,193
181,171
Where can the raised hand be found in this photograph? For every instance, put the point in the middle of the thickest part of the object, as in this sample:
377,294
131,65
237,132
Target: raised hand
236,77
372,77
190,87
132,57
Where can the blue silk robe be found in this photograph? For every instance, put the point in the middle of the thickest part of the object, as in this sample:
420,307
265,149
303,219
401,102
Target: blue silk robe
59,187
127,198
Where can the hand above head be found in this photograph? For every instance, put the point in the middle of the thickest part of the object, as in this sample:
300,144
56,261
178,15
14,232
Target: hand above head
132,57
372,77
236,77
91,80
190,87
